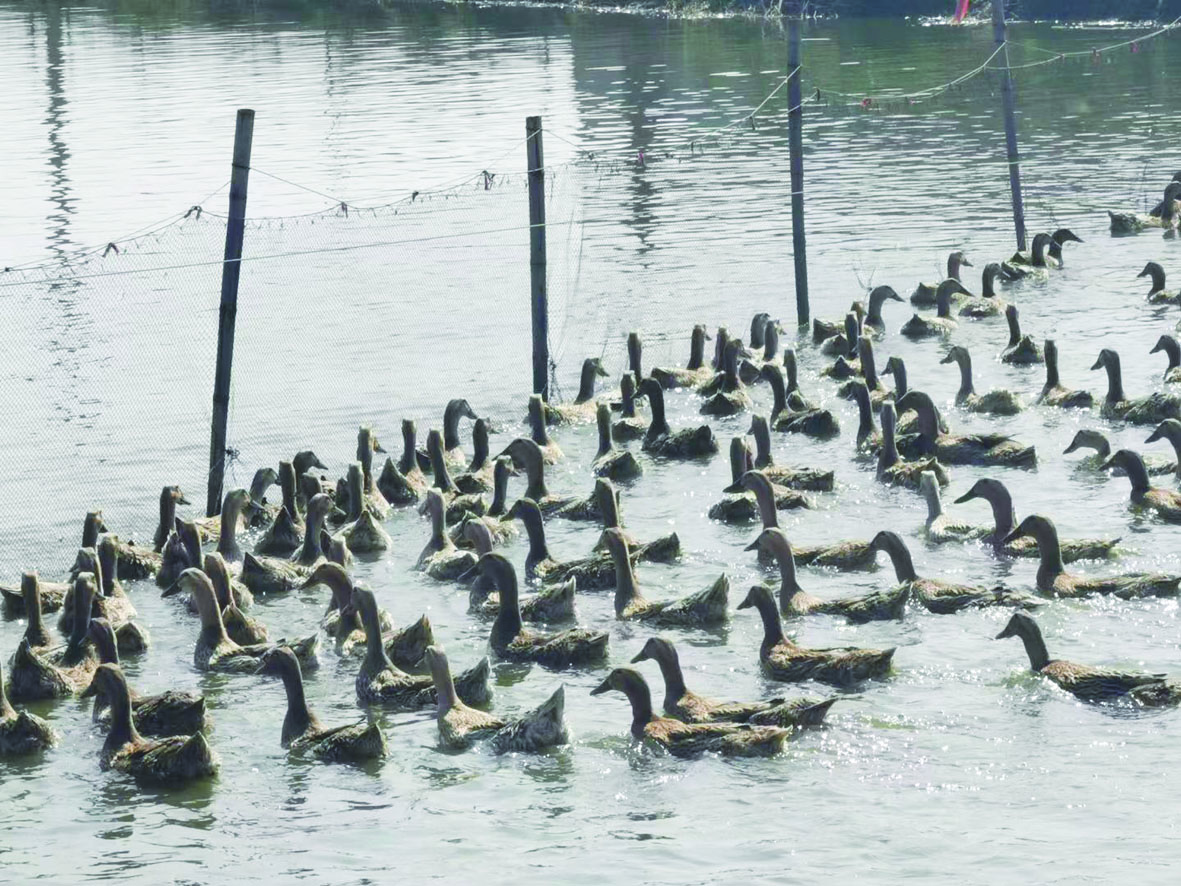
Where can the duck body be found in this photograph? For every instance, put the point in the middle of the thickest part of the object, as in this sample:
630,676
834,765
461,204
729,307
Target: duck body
551,604
21,732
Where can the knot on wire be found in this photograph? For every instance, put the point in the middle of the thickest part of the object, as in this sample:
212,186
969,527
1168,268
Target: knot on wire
194,209
488,177
344,207
111,247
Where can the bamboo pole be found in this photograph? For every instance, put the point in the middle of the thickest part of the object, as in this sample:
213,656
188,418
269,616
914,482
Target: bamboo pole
539,295
230,271
1009,103
795,145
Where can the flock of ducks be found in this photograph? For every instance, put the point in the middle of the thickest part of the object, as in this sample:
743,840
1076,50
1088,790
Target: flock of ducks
215,567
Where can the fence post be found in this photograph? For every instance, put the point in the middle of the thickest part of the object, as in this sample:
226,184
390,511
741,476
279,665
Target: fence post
537,271
1010,106
230,270
795,145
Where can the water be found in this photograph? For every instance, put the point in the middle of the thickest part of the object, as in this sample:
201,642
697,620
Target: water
960,762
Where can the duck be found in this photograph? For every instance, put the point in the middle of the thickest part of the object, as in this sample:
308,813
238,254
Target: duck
270,575
725,394
1032,265
877,297
844,343
689,707
925,294
823,330
749,369
302,729
135,561
1169,429
793,396
939,528
689,739
458,505
509,638
961,449
479,474
311,551
740,502
782,660
527,454
609,461
495,519
942,324
807,419
989,304
939,596
660,440
550,450
170,497
583,407
869,376
35,630
1083,681
283,536
1150,410
1172,350
635,350
372,499
804,479
869,438
1166,503
554,602
404,483
441,559
173,712
630,426
22,733
231,598
460,725
1053,579
181,550
363,534
1021,349
663,549
233,504
696,372
1158,295
706,608
214,650
794,601
995,402
1058,240
456,409
1004,519
342,623
253,513
1124,223
892,470
177,759
380,681
110,602
1087,438
61,672
50,596
1054,393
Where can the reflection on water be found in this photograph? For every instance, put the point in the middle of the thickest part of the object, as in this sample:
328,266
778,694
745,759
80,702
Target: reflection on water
107,382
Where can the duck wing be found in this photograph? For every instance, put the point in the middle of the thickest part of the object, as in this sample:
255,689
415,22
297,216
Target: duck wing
880,605
1095,684
350,743
706,607
178,758
551,603
407,646
575,646
170,713
541,728
798,712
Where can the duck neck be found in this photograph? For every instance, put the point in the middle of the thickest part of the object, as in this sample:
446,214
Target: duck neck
770,342
986,282
479,447
778,392
444,687
641,701
259,485
934,501
409,460
287,487
720,341
508,618
1172,351
365,459
1137,474
1014,329
789,586
1115,380
213,629
7,711
438,510
105,646
865,425
1049,551
868,367
792,369
122,729
627,407
674,680
762,435
535,529
167,516
888,454
697,348
943,303
953,266
634,356
1038,253
765,499
876,299
108,566
227,535
730,373
603,419
1035,648
90,530
311,534
35,629
537,431
535,474
1051,358
83,600
451,416
586,383
659,424
1003,516
899,370
375,654
772,627
499,490
299,717
966,386
608,501
625,578
356,488
900,557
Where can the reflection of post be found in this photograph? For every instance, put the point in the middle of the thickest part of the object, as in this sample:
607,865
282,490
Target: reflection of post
795,145
1010,106
230,270
537,284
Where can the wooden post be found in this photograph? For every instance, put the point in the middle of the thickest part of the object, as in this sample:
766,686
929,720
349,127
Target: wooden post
795,144
230,270
537,271
1010,105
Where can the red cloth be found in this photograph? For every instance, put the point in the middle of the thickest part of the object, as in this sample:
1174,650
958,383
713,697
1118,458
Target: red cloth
961,9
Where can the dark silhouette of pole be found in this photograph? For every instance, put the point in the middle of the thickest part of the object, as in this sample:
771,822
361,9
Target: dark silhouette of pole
539,296
230,271
795,145
1009,102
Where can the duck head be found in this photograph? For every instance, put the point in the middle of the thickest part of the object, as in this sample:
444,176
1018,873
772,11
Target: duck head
1157,273
1132,465
592,368
1088,439
635,353
279,662
697,346
1172,350
306,461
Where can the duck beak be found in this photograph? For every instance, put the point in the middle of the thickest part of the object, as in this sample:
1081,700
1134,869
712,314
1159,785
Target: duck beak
639,657
1143,273
1156,347
181,500
337,512
947,358
470,573
894,296
753,546
1110,463
1156,435
1098,364
1012,536
172,590
1003,634
967,264
605,686
90,691
745,604
967,496
377,447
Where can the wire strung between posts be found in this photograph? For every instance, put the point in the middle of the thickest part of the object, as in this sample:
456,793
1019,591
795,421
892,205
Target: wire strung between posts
1094,52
